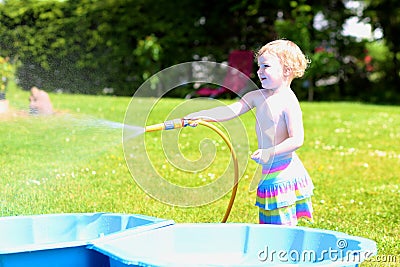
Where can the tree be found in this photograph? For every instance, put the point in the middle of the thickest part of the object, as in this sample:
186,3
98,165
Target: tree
85,46
385,15
317,27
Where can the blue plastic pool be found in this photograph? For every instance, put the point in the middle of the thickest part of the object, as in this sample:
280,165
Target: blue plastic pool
120,240
236,245
61,239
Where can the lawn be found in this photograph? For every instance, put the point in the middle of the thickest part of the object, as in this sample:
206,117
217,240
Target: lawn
74,161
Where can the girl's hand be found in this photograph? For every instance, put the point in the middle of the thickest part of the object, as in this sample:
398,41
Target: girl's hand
261,156
193,122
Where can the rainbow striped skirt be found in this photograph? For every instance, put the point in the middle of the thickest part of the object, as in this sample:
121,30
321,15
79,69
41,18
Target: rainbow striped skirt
284,192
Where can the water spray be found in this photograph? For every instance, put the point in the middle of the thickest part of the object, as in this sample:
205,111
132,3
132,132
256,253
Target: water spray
181,123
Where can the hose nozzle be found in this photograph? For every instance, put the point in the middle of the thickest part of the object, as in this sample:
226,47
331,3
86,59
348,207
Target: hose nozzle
168,125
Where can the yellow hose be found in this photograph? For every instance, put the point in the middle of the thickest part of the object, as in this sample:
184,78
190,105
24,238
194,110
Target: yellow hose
235,163
179,123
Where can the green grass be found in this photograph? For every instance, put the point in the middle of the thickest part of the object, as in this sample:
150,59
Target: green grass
65,163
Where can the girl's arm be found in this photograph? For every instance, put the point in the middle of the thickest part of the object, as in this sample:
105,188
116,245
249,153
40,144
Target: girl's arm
294,124
224,113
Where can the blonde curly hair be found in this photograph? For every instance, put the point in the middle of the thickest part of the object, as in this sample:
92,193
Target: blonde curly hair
289,54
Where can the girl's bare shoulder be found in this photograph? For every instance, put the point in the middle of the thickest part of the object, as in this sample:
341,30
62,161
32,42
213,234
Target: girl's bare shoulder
256,96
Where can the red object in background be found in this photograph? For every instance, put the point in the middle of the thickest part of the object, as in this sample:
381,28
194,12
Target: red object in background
234,81
368,63
319,49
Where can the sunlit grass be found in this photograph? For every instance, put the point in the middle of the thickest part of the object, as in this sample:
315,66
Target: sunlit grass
65,163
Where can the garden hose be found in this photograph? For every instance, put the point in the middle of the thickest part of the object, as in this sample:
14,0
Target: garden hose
180,123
